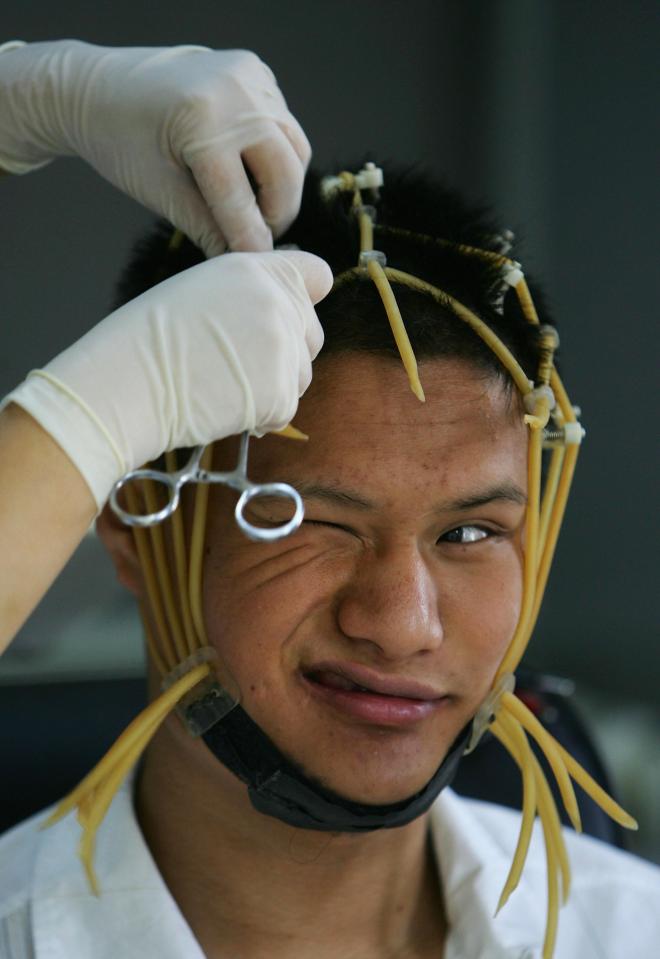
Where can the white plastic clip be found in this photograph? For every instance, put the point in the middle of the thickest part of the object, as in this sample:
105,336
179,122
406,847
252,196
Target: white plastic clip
370,177
550,334
205,654
376,255
370,211
567,434
574,433
503,241
330,185
531,399
207,702
489,709
512,273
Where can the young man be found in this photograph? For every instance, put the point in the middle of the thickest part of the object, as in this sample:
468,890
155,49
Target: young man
361,646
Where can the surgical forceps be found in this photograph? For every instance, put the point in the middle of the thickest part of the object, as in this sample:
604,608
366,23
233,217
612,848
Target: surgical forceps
236,479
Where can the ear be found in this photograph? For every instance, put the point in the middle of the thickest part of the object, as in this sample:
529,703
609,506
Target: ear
120,544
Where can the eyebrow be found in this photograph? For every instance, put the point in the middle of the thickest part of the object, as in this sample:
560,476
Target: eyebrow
507,492
338,496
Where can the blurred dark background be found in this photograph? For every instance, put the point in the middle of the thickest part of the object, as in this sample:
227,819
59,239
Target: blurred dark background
544,109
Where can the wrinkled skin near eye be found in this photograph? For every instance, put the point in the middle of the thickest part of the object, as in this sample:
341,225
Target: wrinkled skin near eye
365,641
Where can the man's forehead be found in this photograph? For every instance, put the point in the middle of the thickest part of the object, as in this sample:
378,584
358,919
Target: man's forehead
368,388
363,420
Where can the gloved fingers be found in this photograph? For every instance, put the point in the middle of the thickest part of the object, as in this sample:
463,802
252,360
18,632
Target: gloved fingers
268,100
186,209
279,173
304,373
226,189
296,137
316,277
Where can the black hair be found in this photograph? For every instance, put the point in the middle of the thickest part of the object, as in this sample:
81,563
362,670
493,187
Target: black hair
420,227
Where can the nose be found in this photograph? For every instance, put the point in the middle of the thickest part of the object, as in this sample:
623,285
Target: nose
392,602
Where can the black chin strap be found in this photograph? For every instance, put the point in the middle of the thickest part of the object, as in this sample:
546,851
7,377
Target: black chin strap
277,788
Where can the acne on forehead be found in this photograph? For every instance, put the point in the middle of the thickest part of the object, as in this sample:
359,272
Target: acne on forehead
359,412
357,390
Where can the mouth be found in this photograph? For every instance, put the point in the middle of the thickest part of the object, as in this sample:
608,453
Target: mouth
362,693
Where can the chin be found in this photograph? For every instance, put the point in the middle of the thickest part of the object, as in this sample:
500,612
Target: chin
375,786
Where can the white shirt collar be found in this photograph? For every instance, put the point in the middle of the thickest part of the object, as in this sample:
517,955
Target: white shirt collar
68,920
473,869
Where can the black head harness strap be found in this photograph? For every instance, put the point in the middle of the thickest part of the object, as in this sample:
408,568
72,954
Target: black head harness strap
277,788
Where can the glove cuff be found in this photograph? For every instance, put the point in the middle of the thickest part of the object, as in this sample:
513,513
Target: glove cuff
74,427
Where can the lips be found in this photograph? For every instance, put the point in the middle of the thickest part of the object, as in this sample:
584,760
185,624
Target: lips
354,677
360,693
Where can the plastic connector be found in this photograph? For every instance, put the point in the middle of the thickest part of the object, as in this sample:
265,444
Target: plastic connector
550,336
208,702
330,185
370,177
365,208
489,709
531,399
574,433
376,255
568,434
205,654
207,709
512,273
502,242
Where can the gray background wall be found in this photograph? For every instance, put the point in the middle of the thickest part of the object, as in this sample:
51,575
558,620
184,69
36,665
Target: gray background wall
545,108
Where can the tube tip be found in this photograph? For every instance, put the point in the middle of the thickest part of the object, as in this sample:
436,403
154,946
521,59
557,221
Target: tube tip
417,389
504,898
58,813
292,432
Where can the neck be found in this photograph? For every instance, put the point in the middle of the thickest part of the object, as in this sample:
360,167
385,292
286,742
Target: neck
288,892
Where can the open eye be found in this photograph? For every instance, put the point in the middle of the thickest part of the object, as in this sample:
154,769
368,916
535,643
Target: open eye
465,534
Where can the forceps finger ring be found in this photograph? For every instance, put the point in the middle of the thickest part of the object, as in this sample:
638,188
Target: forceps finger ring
266,534
168,480
171,481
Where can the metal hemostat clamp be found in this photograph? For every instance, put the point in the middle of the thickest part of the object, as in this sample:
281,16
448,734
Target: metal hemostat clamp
235,479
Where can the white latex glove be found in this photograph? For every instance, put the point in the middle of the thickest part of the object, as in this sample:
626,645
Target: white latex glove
172,127
220,348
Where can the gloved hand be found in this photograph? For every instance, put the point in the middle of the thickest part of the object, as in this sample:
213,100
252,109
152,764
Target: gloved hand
172,127
220,348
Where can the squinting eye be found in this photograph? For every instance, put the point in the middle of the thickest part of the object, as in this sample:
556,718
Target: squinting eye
326,523
465,534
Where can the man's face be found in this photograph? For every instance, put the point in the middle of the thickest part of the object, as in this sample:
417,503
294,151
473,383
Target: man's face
363,643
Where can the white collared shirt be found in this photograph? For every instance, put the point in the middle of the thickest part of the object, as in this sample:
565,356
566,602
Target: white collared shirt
48,912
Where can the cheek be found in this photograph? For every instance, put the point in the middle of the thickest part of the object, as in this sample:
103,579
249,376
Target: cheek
256,596
481,615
